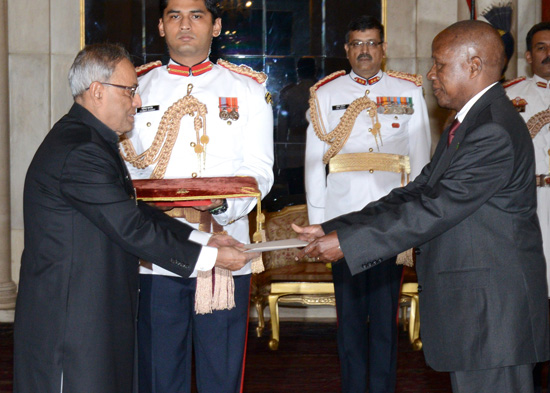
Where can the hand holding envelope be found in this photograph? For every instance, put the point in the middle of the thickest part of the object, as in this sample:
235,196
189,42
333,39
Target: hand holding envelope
325,248
231,252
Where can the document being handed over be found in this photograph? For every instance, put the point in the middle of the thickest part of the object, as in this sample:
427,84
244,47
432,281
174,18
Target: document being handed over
276,245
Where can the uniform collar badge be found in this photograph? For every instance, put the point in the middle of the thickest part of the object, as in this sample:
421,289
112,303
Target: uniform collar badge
229,108
544,85
370,81
196,70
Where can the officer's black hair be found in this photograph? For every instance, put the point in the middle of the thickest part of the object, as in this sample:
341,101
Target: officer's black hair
365,22
211,5
535,29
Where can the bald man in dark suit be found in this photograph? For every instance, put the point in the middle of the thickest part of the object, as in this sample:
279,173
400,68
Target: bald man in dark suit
471,213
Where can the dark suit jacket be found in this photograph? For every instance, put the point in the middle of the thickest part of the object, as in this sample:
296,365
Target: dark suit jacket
84,232
480,264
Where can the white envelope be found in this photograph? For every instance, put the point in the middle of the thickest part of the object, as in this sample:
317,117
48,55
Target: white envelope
276,245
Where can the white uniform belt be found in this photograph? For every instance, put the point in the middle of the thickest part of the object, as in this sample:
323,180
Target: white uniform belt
371,162
543,180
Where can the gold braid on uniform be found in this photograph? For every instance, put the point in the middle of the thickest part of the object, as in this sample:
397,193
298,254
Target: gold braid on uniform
416,79
537,121
167,134
242,69
338,137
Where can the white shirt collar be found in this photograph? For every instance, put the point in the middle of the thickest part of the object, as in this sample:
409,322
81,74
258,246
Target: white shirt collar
466,108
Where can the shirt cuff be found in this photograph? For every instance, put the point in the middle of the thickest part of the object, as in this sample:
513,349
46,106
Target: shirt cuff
208,255
200,237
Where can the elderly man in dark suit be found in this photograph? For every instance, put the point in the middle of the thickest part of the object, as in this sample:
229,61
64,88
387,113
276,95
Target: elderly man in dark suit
471,213
76,308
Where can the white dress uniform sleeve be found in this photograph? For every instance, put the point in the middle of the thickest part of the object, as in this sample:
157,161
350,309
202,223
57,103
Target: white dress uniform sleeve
315,175
257,146
419,135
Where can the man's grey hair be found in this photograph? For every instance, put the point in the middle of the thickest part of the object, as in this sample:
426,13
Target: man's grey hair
94,63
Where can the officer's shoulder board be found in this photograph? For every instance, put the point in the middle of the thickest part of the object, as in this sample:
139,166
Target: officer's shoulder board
144,69
328,79
512,82
414,78
245,70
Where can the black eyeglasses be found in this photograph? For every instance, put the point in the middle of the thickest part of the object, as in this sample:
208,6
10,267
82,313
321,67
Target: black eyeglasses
131,89
369,44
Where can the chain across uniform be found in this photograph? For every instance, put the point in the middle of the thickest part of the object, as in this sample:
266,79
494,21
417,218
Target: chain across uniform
338,137
167,134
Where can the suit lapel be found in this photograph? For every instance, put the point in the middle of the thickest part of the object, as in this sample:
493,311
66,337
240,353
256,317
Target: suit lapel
123,174
470,122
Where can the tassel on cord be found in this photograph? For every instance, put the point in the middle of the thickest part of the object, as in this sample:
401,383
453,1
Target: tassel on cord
203,292
224,290
257,264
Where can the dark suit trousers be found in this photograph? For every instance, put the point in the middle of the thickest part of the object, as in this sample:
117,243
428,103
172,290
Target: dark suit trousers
513,379
366,306
169,331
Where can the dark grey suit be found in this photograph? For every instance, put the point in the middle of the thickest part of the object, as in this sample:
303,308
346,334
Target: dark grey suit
472,215
77,301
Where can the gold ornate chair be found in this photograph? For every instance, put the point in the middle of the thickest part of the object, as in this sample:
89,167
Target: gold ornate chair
286,281
408,302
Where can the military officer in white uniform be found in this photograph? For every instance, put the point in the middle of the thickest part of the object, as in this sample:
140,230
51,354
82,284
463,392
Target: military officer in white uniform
531,96
226,129
398,125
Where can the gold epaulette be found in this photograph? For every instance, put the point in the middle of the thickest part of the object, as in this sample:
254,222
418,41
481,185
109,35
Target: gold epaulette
512,82
242,69
327,79
414,78
144,69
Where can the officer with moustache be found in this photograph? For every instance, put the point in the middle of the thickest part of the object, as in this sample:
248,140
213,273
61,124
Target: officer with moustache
198,119
369,112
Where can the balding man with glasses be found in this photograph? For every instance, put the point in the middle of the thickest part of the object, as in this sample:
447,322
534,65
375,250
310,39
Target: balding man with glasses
367,112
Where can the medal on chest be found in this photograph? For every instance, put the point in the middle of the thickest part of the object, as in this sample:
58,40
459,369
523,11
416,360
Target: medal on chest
229,108
395,105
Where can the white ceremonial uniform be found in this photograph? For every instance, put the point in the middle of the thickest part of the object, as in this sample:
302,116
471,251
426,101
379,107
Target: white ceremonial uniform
536,92
366,303
406,134
168,326
242,147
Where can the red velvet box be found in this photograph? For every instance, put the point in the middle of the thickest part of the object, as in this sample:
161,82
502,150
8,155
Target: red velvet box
195,191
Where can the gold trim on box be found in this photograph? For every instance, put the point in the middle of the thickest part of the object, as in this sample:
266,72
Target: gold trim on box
198,198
